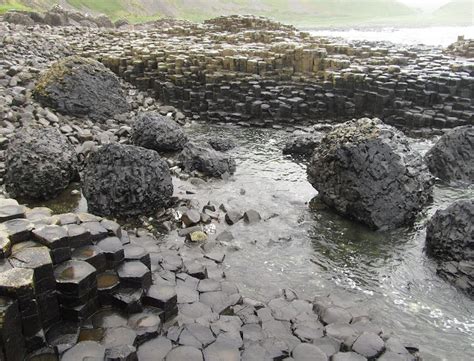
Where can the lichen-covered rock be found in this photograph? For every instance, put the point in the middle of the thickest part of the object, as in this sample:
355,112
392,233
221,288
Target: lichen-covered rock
81,87
450,240
367,170
126,180
154,131
451,159
40,163
196,157
302,144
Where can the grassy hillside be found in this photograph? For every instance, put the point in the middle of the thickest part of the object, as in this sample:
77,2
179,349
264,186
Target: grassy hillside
303,13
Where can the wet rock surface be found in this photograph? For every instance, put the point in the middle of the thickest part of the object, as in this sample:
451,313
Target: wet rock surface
450,240
126,180
40,163
368,171
451,157
302,144
179,309
154,131
81,87
211,163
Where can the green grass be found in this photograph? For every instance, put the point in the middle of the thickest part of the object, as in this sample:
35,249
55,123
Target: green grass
12,5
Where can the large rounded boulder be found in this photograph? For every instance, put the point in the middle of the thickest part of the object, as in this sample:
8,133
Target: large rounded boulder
40,163
126,180
204,159
450,240
154,131
451,158
81,87
367,170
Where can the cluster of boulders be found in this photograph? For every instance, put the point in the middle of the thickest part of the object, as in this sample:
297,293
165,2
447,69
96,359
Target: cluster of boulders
462,47
77,286
58,16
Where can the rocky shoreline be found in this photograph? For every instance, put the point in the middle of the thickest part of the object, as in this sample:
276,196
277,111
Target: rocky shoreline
78,285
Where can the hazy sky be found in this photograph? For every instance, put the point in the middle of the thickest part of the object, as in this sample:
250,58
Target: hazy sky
425,4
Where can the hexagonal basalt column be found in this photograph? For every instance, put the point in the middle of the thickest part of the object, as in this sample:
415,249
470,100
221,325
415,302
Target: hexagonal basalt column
163,297
39,260
12,343
11,211
134,274
134,252
52,237
78,236
107,283
113,250
92,255
75,278
17,230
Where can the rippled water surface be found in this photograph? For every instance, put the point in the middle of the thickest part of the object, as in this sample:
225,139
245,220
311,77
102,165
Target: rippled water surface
303,246
313,251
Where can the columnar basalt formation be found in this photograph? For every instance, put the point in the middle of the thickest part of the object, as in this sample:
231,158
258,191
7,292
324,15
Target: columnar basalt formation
76,286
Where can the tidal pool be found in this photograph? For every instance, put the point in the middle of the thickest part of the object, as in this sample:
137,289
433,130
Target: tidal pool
303,246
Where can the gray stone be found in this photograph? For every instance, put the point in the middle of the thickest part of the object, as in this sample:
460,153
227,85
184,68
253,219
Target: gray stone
81,87
154,350
369,345
451,158
84,350
368,171
251,216
154,131
126,180
221,144
206,160
187,353
302,144
348,356
40,163
221,351
308,352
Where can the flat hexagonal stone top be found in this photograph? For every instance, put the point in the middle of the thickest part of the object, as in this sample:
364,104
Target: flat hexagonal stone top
16,280
154,350
52,236
85,350
11,212
134,252
308,352
107,281
182,353
31,257
133,269
16,226
73,271
110,245
222,351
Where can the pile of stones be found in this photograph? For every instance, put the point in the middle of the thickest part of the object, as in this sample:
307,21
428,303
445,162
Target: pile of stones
462,47
75,286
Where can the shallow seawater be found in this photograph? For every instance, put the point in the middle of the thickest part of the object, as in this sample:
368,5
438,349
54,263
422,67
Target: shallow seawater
306,247
312,250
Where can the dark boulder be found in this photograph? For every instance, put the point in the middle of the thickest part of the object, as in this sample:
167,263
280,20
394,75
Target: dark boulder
154,131
40,163
126,180
221,144
81,87
302,144
451,159
196,157
450,240
103,21
367,170
19,18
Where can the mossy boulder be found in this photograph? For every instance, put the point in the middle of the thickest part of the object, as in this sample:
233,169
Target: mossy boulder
81,87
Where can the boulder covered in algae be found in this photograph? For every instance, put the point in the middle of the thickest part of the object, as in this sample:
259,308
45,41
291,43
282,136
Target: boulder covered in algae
367,170
126,180
81,87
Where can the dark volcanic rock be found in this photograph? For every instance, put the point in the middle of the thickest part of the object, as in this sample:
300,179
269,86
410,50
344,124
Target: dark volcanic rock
302,144
154,131
40,163
450,240
81,87
206,160
126,180
451,159
221,144
367,170
17,17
